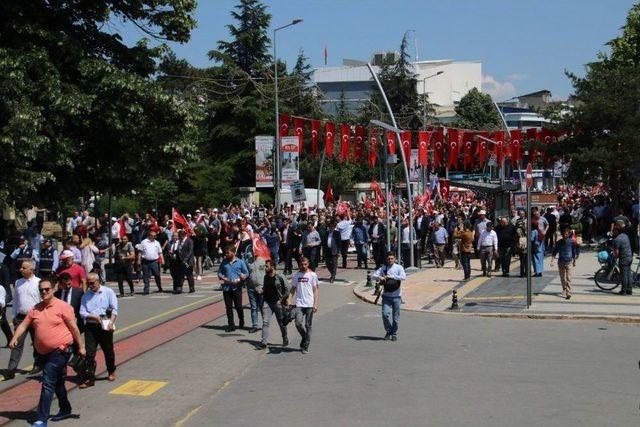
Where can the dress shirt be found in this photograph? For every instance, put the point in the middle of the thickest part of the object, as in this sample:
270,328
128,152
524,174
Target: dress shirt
230,271
77,254
405,235
374,231
395,272
488,238
98,303
440,236
481,226
3,297
312,239
26,295
150,251
344,227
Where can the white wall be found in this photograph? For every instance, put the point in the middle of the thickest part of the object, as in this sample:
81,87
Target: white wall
457,79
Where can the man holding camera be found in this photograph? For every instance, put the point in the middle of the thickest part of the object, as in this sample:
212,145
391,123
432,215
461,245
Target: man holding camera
390,277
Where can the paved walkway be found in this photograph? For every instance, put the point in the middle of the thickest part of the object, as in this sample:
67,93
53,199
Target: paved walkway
430,290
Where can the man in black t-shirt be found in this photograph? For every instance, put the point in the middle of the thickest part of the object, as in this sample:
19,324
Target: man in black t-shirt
274,292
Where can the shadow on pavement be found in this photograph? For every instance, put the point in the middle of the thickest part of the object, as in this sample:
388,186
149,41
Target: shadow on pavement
280,350
366,338
19,415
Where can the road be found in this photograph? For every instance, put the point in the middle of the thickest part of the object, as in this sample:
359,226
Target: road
444,370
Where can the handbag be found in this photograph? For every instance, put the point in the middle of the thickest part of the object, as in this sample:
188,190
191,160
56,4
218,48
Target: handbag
79,363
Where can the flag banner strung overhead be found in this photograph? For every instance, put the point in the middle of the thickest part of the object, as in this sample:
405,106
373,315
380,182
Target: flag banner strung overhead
516,148
482,148
405,136
498,146
423,147
298,130
374,146
533,135
437,145
358,149
415,171
264,161
329,138
345,137
315,134
455,140
391,142
467,144
290,159
285,120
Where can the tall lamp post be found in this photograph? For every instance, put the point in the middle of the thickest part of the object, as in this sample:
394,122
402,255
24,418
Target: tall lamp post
278,172
424,118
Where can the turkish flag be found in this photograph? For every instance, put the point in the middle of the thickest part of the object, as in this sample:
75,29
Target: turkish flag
482,148
374,145
179,219
285,119
423,147
391,142
405,136
455,141
547,140
516,147
467,144
498,147
378,192
445,186
260,247
315,133
330,136
298,130
328,195
345,136
533,136
358,149
437,144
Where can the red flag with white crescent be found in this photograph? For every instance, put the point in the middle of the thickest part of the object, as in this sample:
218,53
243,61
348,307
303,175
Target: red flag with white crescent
284,121
315,134
405,136
358,149
298,130
455,141
328,195
516,149
498,147
437,144
547,138
533,136
423,147
378,192
345,136
329,138
179,219
391,142
482,148
467,144
374,145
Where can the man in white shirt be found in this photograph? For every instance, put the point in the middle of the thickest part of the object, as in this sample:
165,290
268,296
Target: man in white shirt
391,275
149,255
344,228
488,247
25,296
304,295
4,324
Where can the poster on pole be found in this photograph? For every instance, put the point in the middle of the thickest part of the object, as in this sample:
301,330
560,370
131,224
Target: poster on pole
264,161
290,159
297,191
415,173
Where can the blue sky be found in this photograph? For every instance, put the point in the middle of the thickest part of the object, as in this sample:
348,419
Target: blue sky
524,45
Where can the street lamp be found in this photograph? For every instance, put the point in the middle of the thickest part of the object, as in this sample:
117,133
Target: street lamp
277,170
424,98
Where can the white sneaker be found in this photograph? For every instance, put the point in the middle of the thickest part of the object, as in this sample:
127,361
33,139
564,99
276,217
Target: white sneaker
199,278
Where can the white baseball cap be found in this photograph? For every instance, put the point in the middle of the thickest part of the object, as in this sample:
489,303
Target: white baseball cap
66,254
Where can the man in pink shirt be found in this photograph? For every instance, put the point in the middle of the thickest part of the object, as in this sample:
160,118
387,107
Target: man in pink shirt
76,271
55,331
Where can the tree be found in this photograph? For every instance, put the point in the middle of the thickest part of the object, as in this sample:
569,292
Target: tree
604,126
476,110
78,110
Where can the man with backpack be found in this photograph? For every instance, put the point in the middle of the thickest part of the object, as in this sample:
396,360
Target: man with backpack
391,276
274,292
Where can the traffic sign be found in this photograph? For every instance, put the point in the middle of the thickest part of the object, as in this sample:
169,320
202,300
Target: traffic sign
529,175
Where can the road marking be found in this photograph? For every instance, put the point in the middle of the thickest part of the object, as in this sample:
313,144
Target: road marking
160,297
139,388
490,298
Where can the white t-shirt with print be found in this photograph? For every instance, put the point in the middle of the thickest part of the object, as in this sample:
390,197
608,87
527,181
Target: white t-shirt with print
304,284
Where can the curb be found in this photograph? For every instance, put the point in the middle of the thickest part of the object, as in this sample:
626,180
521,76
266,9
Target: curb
533,316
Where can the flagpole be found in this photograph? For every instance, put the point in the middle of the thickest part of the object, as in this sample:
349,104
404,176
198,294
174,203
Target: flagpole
324,154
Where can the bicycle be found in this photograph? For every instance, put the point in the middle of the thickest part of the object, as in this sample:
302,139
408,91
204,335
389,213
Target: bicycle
608,277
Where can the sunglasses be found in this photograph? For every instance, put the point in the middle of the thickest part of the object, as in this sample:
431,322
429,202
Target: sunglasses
44,290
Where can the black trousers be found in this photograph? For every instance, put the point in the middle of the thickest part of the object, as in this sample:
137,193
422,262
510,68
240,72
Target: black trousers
233,299
332,263
4,324
95,336
344,249
185,271
124,271
522,255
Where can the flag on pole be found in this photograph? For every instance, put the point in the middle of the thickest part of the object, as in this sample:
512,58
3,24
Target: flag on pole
391,142
179,219
328,195
378,192
374,145
285,120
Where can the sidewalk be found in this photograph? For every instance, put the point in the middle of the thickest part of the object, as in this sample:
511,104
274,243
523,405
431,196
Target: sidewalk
430,290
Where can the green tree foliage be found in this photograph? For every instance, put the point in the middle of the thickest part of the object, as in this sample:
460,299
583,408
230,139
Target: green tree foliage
78,110
604,126
476,110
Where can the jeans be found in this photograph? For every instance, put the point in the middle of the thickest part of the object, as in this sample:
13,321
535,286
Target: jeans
304,314
267,310
150,268
361,254
255,302
391,314
54,370
312,254
234,297
486,258
16,353
625,277
505,259
94,335
465,260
